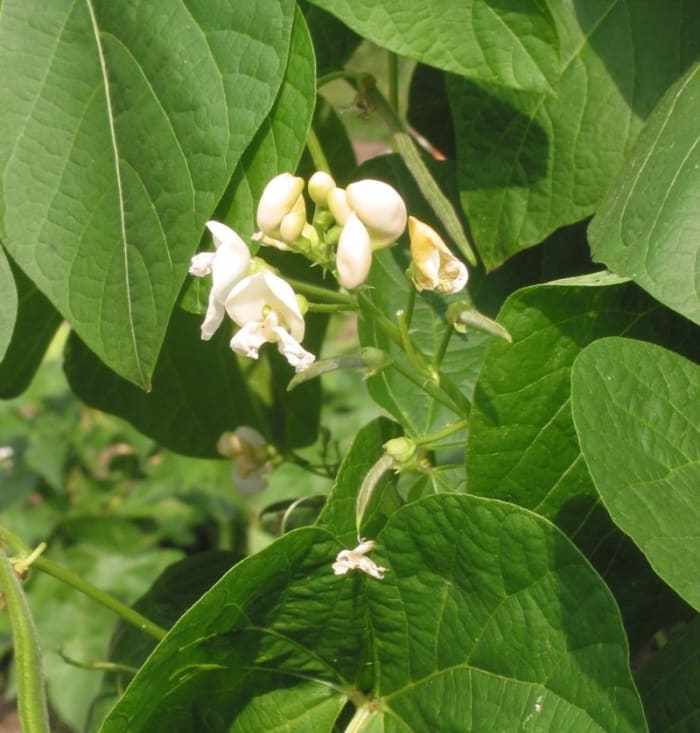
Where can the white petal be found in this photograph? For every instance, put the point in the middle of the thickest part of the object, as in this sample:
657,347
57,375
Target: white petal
278,198
213,317
380,208
249,339
354,255
253,296
338,204
200,264
223,234
229,266
293,352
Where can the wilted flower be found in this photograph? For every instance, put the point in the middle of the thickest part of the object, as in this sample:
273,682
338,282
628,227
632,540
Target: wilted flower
266,308
281,213
355,560
227,265
434,266
247,447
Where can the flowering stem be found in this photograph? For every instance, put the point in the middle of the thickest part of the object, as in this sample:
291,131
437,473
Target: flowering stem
410,303
320,292
31,696
411,352
313,145
80,584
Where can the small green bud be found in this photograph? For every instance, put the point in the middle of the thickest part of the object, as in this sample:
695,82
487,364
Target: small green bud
400,449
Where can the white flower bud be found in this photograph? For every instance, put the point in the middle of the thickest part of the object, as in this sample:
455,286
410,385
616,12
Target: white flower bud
281,196
434,266
338,204
380,208
320,185
354,256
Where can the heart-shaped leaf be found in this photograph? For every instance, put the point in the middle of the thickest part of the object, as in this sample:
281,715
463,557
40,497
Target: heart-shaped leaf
636,408
107,181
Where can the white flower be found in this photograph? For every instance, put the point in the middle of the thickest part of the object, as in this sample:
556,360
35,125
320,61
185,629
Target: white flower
434,266
281,213
227,265
380,208
266,309
247,447
355,560
354,255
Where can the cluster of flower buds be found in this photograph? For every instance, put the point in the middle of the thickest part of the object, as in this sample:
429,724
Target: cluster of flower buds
371,214
260,302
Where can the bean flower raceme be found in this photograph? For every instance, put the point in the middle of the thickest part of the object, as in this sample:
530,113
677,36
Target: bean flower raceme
434,266
227,266
266,308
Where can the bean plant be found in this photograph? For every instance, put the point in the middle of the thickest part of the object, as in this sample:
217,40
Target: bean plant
505,298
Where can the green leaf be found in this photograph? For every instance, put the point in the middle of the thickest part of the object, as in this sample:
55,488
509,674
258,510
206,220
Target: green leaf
338,516
280,141
199,390
108,180
531,163
8,304
280,638
522,444
513,44
34,327
636,408
668,682
647,227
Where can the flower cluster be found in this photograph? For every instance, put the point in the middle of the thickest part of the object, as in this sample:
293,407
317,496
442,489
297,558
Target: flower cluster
349,224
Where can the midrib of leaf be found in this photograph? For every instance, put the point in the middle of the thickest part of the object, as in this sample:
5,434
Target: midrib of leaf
115,149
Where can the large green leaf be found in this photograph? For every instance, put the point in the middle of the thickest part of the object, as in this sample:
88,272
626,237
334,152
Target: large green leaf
668,683
636,408
282,643
513,44
34,327
121,127
648,226
530,163
522,444
8,304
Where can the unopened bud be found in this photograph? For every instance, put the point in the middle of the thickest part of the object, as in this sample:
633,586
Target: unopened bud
338,204
354,255
320,185
281,196
380,208
400,449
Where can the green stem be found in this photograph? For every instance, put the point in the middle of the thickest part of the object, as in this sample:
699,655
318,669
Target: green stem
394,81
410,303
80,584
31,696
444,433
320,292
412,353
330,307
313,144
442,347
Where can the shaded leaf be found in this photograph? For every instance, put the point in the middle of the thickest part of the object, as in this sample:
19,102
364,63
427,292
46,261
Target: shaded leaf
334,42
647,228
8,304
513,44
107,181
530,163
636,408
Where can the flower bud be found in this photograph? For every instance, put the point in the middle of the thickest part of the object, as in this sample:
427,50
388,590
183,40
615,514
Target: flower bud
338,204
320,185
292,226
400,449
281,196
354,255
434,266
380,208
